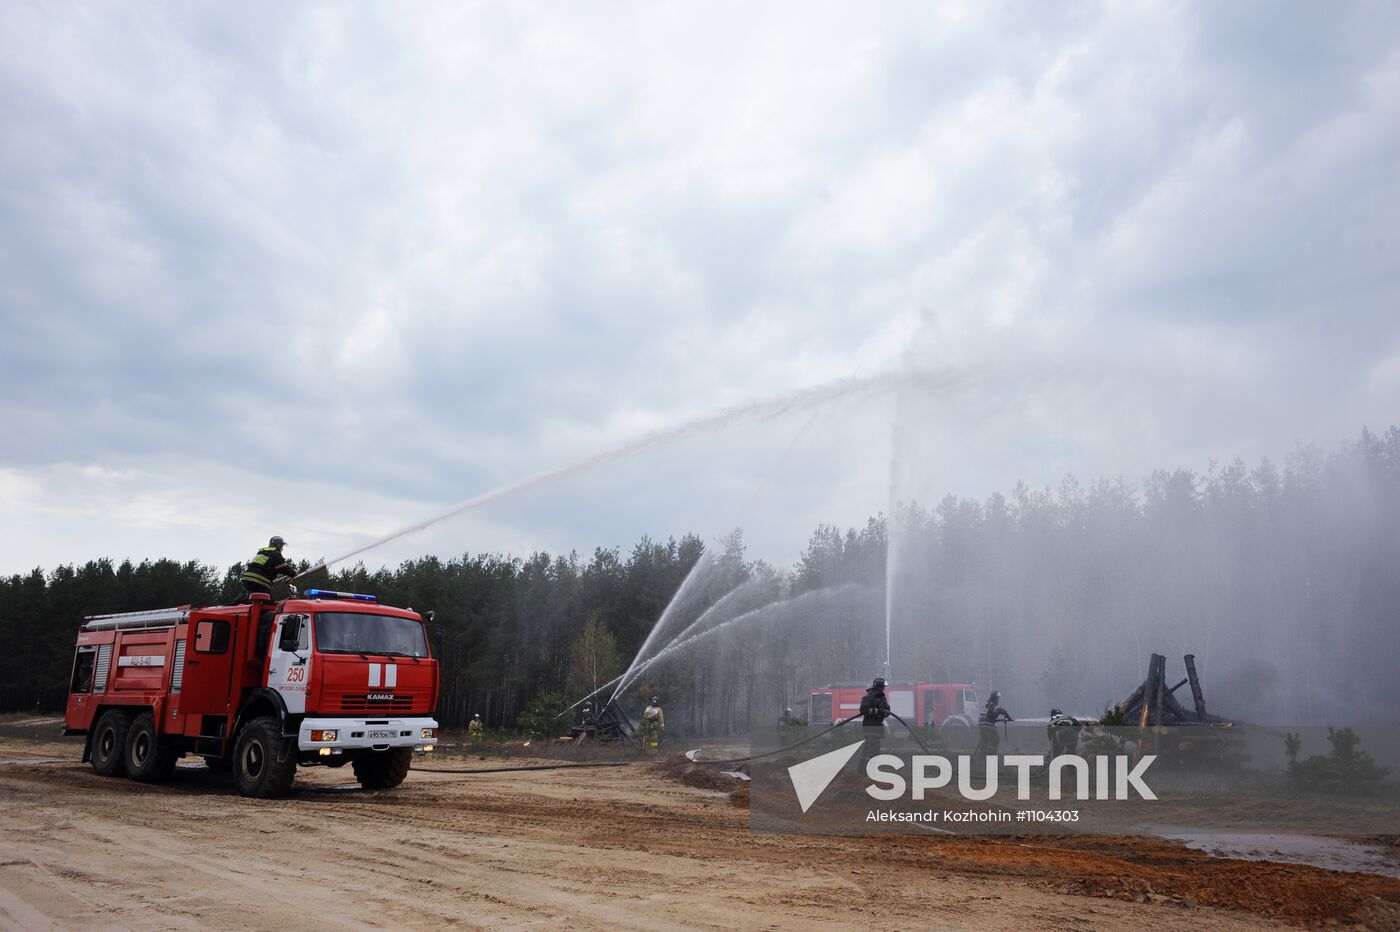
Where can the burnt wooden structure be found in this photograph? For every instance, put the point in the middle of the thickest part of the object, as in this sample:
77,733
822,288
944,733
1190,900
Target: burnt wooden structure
609,725
1155,703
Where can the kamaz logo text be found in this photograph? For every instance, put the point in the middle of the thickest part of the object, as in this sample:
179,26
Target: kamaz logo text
380,697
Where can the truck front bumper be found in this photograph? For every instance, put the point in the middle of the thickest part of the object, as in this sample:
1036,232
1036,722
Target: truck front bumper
377,734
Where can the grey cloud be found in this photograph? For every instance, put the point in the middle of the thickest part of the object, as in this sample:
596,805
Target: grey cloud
417,244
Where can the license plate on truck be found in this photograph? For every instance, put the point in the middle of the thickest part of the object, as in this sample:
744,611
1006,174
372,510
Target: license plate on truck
381,734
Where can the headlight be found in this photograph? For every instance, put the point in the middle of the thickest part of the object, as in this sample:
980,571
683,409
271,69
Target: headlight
428,733
320,735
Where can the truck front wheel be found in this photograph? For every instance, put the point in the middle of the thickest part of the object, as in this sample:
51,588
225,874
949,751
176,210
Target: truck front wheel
149,757
957,733
263,763
383,770
109,743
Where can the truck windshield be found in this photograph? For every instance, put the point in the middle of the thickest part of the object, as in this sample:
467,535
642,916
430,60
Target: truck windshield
358,633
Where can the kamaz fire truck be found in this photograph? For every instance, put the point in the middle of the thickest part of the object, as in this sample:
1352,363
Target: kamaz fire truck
325,678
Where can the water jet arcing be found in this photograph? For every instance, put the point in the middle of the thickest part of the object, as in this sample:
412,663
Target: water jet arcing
803,601
705,617
765,409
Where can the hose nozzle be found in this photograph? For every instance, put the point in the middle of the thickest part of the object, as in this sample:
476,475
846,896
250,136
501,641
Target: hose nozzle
318,566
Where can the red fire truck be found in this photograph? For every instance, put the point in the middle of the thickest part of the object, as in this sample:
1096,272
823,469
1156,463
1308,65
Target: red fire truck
952,707
325,678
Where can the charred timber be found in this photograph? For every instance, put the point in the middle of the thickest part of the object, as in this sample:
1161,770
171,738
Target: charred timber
1153,702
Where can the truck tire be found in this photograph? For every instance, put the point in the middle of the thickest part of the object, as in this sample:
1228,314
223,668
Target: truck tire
957,733
383,770
264,763
150,758
109,743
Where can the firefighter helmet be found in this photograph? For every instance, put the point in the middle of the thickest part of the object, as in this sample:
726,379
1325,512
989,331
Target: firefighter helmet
276,542
879,683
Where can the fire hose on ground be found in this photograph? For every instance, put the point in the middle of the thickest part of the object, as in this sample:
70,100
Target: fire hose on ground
569,766
729,760
783,750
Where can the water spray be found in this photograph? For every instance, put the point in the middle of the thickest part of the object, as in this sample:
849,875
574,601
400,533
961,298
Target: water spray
591,695
704,560
698,623
765,409
805,597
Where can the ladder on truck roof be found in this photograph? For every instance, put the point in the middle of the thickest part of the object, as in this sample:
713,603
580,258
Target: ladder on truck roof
126,621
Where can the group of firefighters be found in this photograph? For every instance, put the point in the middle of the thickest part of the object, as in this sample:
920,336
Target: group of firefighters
1062,730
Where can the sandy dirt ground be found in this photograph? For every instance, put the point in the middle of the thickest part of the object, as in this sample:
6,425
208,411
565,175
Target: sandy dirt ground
629,847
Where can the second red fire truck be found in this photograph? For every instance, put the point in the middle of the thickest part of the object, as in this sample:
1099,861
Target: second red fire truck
950,707
327,678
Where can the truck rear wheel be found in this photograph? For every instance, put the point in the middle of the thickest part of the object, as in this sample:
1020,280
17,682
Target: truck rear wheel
957,733
383,770
109,743
263,763
149,757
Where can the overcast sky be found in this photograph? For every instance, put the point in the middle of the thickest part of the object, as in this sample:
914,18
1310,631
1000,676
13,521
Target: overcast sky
324,270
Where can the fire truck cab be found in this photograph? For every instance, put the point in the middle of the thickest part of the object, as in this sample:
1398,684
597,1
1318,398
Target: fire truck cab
327,678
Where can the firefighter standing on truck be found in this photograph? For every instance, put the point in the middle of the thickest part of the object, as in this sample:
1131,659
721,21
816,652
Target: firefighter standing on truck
266,567
653,723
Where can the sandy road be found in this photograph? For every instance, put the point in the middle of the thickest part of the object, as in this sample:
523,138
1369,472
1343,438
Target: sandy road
615,848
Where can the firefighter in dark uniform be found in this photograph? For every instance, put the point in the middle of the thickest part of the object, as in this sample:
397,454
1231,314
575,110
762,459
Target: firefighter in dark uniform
1063,732
874,709
992,713
266,567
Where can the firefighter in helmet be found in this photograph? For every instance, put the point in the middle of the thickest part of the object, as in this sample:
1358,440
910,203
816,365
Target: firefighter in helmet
1063,732
266,567
790,726
475,727
653,723
874,709
992,713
